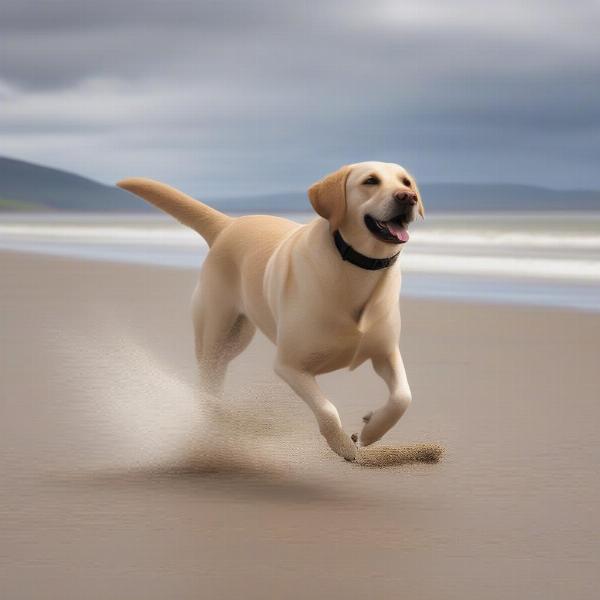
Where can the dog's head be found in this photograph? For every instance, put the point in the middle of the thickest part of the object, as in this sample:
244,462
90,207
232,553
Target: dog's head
371,203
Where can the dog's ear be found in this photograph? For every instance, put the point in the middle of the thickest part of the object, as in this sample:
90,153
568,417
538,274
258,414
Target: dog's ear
328,197
420,205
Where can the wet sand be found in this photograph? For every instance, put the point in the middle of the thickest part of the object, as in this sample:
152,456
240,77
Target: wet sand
118,481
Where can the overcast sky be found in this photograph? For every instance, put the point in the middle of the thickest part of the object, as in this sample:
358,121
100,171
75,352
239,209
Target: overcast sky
225,98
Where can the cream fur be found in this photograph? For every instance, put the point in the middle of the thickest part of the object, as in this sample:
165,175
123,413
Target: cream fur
288,280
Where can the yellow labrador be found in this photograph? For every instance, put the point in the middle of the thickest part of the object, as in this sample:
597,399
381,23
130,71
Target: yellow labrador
325,293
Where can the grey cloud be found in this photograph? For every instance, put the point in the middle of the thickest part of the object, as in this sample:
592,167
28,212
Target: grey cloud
61,15
280,91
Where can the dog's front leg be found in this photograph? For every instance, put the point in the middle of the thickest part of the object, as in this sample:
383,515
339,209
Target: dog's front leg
391,370
330,426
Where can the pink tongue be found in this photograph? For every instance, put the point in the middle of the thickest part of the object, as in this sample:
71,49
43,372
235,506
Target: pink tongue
398,231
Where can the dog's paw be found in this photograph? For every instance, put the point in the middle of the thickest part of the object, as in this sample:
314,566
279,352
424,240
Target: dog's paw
348,452
340,442
343,445
367,417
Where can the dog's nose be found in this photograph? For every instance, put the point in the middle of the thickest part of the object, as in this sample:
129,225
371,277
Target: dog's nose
402,197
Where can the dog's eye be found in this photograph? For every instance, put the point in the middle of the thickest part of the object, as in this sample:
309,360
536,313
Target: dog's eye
371,180
406,181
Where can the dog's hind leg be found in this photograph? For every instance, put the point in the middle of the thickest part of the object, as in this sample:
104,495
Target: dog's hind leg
221,333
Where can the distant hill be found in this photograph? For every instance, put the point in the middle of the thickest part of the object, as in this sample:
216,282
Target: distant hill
447,197
23,185
26,186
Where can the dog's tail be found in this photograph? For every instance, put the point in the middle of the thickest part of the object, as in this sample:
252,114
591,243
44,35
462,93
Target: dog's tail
207,221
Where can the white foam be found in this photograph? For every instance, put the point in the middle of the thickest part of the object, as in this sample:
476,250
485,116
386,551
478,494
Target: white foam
179,235
494,238
505,266
169,235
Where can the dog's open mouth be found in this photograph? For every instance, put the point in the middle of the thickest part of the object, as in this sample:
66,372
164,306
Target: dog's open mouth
392,232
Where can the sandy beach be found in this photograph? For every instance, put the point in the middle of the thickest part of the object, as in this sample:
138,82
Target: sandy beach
118,481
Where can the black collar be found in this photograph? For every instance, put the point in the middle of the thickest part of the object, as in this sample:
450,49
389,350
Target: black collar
348,253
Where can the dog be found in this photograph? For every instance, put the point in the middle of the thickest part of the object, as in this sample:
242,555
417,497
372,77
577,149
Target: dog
325,293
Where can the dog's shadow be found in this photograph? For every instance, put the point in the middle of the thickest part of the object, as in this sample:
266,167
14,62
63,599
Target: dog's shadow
178,478
219,472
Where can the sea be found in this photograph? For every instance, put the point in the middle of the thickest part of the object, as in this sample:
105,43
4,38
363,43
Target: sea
543,259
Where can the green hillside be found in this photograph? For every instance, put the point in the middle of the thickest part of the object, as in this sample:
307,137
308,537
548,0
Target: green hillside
21,206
